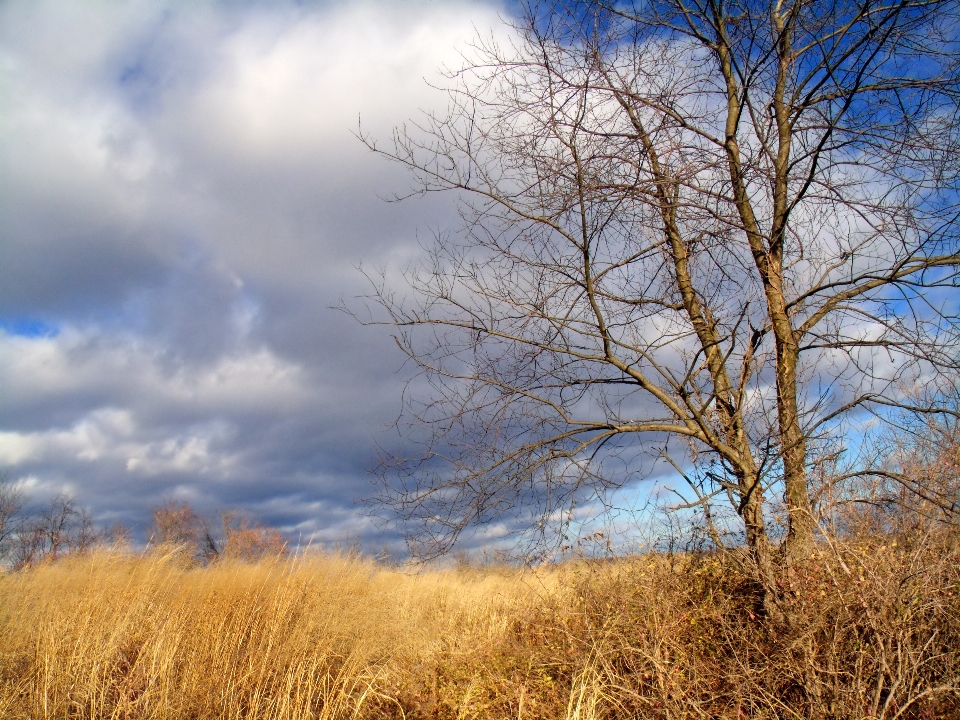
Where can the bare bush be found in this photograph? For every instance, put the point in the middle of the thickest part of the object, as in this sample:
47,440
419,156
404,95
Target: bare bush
907,477
238,537
179,524
247,540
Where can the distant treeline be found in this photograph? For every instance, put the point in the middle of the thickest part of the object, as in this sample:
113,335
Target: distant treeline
31,534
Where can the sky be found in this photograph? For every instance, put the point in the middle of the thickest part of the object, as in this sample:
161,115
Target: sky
183,203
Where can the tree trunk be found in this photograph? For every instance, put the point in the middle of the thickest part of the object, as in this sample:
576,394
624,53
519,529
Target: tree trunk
800,533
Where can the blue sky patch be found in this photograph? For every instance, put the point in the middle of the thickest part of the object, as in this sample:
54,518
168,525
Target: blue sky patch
28,327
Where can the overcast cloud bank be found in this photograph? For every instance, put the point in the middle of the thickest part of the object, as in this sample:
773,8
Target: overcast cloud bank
182,202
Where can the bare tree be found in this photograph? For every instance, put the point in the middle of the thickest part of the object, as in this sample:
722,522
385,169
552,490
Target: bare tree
54,524
61,528
11,505
722,228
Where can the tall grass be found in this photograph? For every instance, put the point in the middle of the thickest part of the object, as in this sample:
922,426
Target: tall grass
109,635
872,630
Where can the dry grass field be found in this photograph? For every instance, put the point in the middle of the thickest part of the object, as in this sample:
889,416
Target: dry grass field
872,631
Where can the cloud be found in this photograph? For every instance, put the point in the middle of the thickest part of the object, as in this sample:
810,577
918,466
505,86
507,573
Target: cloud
182,202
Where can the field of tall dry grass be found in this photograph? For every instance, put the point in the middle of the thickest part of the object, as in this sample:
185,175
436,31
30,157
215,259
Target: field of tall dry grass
871,630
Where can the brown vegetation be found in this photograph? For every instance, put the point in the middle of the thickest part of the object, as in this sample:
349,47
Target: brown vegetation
176,524
872,630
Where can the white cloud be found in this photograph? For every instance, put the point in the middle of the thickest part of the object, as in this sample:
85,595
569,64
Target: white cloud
16,447
283,92
182,202
140,374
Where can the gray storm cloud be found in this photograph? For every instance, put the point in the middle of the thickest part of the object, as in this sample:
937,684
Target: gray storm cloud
182,202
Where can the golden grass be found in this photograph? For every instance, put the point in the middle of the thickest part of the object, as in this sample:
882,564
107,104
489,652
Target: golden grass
114,636
873,632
